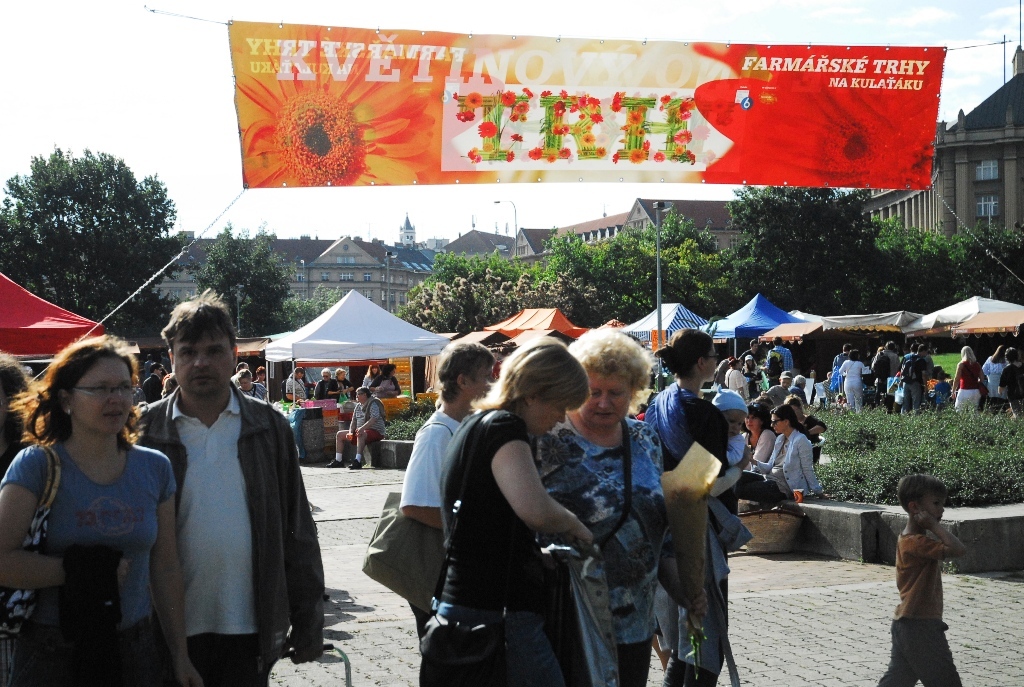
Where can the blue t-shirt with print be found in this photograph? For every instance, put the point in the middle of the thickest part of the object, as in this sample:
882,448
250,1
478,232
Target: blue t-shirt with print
121,515
588,480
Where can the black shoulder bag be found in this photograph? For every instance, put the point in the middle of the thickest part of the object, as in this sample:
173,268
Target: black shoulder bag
561,623
459,654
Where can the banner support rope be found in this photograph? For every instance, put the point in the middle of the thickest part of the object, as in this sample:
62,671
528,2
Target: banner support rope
988,251
163,269
182,16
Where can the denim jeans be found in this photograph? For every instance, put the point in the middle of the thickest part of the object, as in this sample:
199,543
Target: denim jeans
531,660
43,657
912,395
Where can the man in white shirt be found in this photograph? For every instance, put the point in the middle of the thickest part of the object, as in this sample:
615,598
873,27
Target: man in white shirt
464,375
241,511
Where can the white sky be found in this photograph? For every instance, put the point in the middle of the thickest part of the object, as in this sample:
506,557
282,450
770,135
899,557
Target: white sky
156,91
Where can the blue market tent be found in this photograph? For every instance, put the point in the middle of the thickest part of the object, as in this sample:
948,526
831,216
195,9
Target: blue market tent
674,316
752,320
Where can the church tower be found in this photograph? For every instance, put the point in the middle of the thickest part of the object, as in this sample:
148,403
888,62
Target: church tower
408,233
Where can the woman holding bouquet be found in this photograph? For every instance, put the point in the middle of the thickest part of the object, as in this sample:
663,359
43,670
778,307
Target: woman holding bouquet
681,417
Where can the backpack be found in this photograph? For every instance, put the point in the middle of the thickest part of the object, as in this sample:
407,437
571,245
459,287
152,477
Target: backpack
880,367
908,371
774,364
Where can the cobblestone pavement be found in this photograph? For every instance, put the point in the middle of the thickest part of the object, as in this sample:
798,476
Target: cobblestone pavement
797,621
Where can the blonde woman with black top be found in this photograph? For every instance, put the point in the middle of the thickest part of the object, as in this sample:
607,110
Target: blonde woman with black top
493,551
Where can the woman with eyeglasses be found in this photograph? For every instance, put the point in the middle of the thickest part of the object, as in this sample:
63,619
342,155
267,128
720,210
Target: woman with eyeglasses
791,465
110,546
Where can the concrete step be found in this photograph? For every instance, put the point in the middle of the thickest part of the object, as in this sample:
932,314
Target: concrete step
868,533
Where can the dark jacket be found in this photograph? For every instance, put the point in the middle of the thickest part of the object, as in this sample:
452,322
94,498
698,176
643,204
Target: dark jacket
287,570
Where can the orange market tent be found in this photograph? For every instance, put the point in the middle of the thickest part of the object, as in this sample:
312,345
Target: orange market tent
792,331
1005,322
30,325
537,318
530,334
482,338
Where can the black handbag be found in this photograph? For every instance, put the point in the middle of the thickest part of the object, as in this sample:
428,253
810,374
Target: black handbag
459,654
17,605
561,623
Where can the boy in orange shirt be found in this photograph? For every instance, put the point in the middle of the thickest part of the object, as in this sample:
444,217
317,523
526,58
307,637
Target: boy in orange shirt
919,647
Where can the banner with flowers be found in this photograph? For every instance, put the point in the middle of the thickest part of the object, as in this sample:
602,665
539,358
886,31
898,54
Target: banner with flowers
331,106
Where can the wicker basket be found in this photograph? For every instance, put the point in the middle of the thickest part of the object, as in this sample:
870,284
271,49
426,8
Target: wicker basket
774,530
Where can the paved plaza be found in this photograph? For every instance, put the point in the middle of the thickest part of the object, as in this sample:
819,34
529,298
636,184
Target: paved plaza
796,621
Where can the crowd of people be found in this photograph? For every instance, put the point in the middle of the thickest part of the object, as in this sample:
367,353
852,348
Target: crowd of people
898,381
158,503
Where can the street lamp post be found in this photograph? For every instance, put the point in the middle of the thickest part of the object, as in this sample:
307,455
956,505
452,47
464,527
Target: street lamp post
515,214
387,279
659,206
305,278
238,301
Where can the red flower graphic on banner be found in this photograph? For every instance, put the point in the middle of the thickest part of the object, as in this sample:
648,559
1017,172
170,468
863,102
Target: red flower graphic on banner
488,129
474,100
517,138
683,137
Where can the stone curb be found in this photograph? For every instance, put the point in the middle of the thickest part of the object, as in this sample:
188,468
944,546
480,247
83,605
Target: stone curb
868,533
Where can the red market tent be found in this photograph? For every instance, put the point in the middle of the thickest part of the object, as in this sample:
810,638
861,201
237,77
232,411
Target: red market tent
30,325
537,318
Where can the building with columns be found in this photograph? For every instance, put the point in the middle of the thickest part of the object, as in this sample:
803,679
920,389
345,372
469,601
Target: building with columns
977,173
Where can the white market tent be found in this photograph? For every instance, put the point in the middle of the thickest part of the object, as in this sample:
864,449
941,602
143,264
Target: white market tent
674,316
941,321
355,329
805,316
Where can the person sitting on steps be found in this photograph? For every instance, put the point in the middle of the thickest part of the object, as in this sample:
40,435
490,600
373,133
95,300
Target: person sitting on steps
367,428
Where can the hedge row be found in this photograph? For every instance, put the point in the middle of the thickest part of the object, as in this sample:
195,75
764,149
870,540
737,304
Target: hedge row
402,426
979,456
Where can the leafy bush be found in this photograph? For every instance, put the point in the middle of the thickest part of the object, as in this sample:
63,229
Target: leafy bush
979,456
403,425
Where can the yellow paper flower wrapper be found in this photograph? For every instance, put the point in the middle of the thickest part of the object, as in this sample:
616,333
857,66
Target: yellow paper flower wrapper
686,491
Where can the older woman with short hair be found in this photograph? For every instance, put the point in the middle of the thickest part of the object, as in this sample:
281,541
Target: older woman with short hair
583,464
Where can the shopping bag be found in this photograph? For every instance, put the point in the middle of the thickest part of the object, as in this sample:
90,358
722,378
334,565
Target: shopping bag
405,555
579,621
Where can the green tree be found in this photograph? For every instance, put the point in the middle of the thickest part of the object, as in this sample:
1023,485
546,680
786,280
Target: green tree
983,259
804,248
623,270
466,303
85,233
299,311
916,270
233,261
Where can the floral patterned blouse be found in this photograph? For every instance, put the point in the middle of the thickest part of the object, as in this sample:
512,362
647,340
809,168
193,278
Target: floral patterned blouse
588,480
